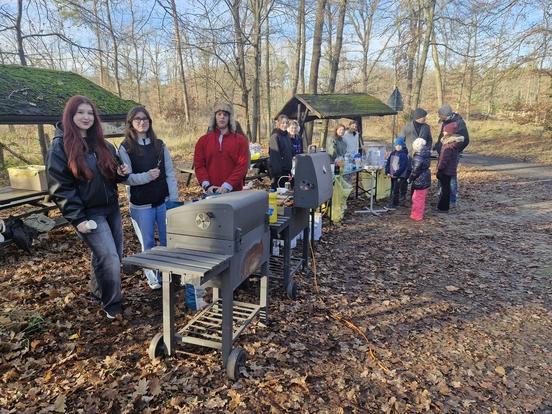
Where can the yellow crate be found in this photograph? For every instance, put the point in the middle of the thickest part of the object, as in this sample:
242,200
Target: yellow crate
30,177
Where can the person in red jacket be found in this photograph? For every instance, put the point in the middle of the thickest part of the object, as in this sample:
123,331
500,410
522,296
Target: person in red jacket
221,156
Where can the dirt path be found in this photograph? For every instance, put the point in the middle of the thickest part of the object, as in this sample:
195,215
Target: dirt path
508,166
450,315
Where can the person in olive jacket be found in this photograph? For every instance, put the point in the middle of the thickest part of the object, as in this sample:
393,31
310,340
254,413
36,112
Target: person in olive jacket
83,173
420,177
448,163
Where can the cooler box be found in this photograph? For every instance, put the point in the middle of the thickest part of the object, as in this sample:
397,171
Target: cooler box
30,177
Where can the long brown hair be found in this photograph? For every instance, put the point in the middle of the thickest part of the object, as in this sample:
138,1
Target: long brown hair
131,135
76,146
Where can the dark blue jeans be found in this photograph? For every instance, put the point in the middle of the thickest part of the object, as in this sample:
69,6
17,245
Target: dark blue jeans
106,244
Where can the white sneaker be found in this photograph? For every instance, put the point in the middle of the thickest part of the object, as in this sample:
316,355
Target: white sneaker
153,282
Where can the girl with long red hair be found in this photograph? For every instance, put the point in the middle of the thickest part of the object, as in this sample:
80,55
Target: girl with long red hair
83,173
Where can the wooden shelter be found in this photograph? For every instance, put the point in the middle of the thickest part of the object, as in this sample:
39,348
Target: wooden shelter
36,96
307,108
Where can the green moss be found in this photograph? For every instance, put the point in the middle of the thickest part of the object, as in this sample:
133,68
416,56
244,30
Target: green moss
332,105
27,91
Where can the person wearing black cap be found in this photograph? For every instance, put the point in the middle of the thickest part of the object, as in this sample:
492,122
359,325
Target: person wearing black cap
417,128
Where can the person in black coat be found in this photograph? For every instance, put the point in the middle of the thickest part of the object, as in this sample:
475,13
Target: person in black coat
420,177
83,172
280,152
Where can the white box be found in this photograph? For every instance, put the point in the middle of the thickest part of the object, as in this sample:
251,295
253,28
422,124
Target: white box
30,177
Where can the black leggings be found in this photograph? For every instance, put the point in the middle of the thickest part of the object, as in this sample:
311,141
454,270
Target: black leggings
444,199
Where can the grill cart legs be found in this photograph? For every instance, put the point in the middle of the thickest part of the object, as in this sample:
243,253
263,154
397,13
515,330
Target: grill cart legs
217,326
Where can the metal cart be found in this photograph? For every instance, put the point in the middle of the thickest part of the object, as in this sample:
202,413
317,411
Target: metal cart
294,221
229,239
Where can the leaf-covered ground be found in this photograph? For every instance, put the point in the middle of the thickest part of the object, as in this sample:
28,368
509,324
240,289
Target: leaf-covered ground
453,314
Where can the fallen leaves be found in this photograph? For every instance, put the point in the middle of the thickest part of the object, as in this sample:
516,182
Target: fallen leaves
461,333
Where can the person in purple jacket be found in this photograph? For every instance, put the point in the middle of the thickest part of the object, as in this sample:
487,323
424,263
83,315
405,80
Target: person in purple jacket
448,163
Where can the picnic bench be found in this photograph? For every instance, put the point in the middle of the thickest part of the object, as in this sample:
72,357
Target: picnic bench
35,202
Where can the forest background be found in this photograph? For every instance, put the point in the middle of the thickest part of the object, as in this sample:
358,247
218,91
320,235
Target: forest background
490,60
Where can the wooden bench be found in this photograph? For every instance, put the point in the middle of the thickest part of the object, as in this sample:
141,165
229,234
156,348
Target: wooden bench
263,161
36,202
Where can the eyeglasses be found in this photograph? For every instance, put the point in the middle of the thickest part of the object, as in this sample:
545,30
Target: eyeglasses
138,120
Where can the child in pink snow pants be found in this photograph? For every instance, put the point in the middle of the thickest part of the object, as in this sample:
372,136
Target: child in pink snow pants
420,177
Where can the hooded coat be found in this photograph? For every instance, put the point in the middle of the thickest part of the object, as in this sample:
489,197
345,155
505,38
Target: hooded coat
461,130
420,176
448,157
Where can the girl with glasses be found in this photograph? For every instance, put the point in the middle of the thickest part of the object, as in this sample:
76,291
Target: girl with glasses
151,181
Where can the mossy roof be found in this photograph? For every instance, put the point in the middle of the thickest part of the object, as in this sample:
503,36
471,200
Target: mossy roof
37,96
335,106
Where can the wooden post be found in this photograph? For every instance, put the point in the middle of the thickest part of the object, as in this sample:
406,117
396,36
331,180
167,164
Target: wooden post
44,142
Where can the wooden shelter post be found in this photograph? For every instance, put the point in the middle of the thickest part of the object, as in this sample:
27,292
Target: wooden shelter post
44,142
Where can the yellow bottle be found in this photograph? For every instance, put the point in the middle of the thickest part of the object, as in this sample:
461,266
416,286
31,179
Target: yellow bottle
272,207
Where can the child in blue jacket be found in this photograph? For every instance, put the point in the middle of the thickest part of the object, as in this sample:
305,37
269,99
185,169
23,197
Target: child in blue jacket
397,168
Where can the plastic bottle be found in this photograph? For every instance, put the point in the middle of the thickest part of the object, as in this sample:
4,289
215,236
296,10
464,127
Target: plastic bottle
272,207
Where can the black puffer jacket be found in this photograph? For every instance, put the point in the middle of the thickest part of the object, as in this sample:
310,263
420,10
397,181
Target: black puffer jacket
420,177
73,196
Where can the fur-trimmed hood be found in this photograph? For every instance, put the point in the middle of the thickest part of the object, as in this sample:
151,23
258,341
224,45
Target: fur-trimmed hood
449,139
226,107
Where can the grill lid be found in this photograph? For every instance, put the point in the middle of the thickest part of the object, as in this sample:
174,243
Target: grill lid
219,216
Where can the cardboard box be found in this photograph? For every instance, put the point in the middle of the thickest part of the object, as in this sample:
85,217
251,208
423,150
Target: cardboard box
30,177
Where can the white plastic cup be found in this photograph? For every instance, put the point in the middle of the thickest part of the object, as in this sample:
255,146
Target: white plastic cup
91,225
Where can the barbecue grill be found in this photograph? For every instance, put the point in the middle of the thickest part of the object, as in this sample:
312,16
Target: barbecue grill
217,242
313,181
313,185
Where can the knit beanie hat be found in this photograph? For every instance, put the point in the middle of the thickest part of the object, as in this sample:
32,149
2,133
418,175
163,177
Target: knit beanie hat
419,113
450,128
418,144
400,141
445,110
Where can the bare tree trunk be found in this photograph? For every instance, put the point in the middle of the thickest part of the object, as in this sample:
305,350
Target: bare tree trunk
465,69
316,46
472,72
363,27
315,61
240,58
299,29
543,59
256,10
267,72
44,142
97,31
303,48
438,78
429,9
180,62
336,56
115,48
19,35
137,72
412,51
